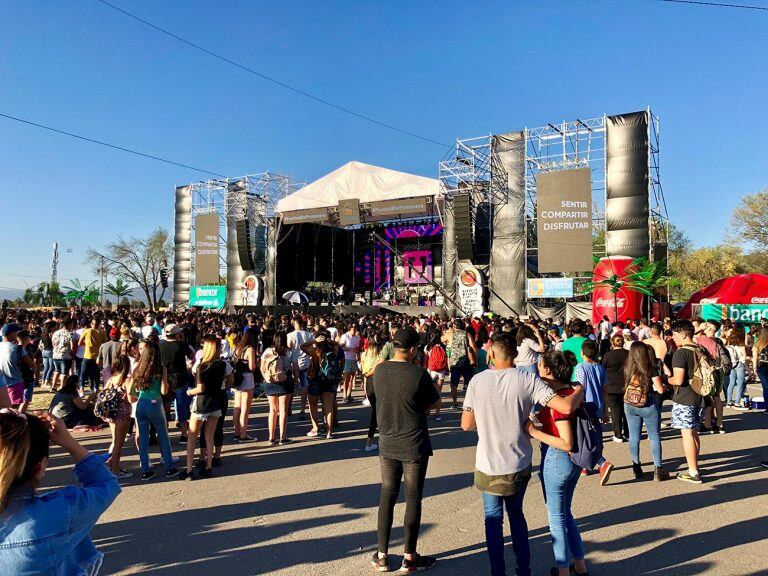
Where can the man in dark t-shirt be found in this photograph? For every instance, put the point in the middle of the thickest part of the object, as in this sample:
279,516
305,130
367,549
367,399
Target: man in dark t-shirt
403,394
174,353
686,403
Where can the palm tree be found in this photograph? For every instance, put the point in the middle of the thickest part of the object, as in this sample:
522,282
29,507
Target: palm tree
81,294
642,276
43,294
119,289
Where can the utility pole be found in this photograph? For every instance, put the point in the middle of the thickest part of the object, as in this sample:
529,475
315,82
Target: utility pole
101,274
55,263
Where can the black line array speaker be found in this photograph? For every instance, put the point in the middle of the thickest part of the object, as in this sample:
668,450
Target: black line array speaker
244,248
463,226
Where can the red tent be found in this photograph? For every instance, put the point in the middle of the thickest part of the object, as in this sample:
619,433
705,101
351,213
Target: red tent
741,289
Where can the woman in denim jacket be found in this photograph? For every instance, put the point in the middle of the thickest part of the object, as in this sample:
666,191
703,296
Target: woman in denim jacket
48,534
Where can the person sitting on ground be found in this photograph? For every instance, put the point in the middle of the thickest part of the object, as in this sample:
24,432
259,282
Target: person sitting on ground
49,533
71,408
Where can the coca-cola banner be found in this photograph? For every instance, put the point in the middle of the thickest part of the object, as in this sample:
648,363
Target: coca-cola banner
624,305
564,221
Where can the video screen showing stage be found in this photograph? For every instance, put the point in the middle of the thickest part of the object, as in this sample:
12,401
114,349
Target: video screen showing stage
385,263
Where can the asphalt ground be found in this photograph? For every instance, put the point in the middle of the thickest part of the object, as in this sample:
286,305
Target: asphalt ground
310,508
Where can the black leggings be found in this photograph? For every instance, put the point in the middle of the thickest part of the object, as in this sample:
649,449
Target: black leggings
615,402
392,472
373,423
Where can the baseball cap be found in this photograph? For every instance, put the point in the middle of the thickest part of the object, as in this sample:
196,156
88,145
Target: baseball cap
10,328
115,332
171,329
405,338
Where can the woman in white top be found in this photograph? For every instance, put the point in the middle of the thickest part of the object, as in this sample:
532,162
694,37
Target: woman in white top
737,380
529,345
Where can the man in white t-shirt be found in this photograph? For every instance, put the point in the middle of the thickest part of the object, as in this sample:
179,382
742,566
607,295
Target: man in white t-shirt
300,336
498,404
350,343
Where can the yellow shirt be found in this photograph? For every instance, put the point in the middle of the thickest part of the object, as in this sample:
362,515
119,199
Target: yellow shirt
92,339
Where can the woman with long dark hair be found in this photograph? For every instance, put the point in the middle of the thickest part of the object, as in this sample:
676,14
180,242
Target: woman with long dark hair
244,361
736,345
529,345
558,474
148,385
642,384
369,360
120,420
280,373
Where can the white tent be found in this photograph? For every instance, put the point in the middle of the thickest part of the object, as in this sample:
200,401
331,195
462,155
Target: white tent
362,181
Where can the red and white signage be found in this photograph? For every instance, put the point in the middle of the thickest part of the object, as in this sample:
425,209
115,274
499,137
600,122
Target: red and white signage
625,304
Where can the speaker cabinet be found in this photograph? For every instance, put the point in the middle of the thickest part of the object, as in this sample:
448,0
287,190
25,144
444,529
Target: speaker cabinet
463,226
244,247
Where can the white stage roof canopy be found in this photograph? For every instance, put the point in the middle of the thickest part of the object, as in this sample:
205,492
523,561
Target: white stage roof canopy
365,182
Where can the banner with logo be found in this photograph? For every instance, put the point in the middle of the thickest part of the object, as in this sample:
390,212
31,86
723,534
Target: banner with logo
741,313
314,215
349,212
208,296
387,209
550,288
470,291
206,248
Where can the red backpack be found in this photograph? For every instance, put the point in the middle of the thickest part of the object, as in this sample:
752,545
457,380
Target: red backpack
438,360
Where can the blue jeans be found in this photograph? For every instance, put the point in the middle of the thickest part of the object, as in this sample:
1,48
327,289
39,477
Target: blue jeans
48,365
560,476
652,418
183,404
762,374
737,381
494,532
151,411
89,371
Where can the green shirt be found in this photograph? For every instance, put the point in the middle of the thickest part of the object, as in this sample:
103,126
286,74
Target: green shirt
387,352
153,392
573,344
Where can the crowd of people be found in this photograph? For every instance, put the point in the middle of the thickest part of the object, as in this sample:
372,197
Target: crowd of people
154,376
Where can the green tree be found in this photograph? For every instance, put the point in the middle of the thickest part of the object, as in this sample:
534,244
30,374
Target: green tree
81,294
749,222
119,289
138,260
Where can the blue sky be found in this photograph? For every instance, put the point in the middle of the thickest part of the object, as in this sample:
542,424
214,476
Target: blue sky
442,69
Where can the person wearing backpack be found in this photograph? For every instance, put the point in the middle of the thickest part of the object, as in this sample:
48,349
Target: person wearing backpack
324,377
280,372
642,384
713,404
559,475
437,366
686,402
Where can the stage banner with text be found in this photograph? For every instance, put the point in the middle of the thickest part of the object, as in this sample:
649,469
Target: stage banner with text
310,215
208,296
390,209
206,249
564,221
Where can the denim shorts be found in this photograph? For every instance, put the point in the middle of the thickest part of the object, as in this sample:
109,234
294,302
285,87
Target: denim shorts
350,366
686,417
62,365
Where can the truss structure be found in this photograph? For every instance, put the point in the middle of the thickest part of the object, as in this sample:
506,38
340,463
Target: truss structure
566,146
252,197
582,144
472,168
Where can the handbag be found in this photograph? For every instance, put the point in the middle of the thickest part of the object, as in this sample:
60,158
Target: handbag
636,393
108,402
